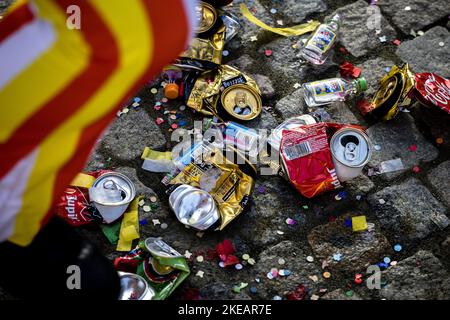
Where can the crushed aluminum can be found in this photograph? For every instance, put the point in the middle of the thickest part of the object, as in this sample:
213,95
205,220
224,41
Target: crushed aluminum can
432,90
290,124
206,17
162,267
351,151
241,102
134,287
395,91
232,190
111,193
194,207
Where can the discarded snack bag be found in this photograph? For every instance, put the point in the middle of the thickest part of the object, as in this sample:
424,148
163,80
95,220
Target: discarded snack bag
306,159
160,265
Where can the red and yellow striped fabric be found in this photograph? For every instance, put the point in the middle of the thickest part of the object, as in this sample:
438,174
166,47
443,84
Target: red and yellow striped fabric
60,88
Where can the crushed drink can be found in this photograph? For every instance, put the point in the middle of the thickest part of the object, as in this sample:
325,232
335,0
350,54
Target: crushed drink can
229,184
194,207
306,160
275,137
134,287
432,90
351,151
162,267
395,91
111,194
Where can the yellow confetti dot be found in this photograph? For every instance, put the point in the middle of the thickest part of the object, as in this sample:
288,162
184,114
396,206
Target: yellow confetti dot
141,203
125,110
146,208
251,261
326,274
439,141
245,256
154,90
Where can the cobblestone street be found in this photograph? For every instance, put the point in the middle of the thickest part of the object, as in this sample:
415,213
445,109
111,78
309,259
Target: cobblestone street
408,208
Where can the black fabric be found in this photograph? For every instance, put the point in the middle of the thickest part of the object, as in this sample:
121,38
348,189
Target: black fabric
40,270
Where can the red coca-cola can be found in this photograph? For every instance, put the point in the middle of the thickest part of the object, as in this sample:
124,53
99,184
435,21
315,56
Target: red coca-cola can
432,90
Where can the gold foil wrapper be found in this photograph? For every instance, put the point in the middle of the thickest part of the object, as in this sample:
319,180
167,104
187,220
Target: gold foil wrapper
206,92
394,92
205,88
232,189
209,50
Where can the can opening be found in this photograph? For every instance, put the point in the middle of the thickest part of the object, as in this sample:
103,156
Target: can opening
345,140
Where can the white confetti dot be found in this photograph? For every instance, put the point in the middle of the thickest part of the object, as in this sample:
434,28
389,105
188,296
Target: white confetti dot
441,44
164,226
225,53
146,208
407,8
200,258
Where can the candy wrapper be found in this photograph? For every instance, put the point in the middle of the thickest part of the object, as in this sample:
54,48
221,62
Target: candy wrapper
160,265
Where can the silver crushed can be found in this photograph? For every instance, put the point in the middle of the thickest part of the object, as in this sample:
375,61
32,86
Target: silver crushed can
159,248
275,138
111,193
351,151
134,287
194,207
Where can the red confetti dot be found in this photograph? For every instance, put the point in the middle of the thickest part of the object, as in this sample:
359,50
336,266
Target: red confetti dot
396,42
413,147
268,52
174,126
416,169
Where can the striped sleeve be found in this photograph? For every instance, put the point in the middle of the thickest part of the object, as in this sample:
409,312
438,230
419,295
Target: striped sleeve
60,87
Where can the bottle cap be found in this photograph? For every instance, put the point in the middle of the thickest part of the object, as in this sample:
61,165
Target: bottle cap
171,91
362,84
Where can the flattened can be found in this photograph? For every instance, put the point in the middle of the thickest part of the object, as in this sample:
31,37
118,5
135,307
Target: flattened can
194,207
111,193
351,151
275,137
134,287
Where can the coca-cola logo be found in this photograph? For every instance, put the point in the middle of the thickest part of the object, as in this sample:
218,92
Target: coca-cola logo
436,91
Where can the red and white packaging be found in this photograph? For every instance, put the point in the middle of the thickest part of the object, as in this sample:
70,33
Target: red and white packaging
432,89
74,206
306,158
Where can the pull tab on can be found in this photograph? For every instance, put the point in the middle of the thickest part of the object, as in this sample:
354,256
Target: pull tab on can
351,151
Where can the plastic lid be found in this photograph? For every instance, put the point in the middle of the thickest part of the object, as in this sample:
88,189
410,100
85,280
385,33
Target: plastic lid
362,84
171,91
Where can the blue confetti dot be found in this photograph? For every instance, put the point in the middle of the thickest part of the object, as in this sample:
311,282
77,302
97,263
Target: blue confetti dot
348,222
383,265
143,222
398,248
181,123
137,99
387,260
253,290
342,194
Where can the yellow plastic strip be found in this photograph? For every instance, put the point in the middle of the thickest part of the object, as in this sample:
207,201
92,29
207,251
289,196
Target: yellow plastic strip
156,155
83,180
287,32
129,229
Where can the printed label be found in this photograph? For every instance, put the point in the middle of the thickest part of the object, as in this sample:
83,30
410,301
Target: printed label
326,87
323,39
231,82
